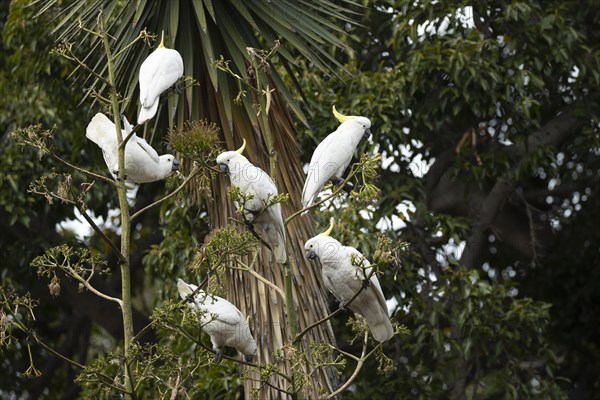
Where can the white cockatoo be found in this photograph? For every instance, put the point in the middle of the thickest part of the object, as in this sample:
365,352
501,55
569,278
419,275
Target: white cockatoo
345,271
221,320
333,155
259,210
142,162
159,71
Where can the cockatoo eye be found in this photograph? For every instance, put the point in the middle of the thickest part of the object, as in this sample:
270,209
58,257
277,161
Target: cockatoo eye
310,246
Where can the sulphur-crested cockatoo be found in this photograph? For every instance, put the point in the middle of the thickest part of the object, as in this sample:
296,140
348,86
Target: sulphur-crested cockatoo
345,271
142,162
333,154
224,323
159,71
259,210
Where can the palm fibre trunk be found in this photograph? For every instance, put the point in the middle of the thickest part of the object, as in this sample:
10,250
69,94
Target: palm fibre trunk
266,308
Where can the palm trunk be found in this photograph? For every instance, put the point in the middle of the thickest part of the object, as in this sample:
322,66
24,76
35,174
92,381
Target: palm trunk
266,309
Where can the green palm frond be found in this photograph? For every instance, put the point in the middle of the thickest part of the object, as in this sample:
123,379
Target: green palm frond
205,30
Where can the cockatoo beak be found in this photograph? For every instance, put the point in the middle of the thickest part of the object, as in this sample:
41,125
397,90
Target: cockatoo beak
249,358
367,133
224,168
176,164
311,255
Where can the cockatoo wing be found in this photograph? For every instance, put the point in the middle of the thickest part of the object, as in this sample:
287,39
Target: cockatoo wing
331,157
365,266
147,113
370,303
271,229
225,311
344,278
269,223
159,72
149,150
101,131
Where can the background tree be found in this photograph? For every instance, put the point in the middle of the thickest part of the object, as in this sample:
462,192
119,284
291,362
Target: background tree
502,110
487,122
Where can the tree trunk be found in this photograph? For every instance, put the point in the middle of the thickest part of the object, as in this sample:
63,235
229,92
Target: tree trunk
266,308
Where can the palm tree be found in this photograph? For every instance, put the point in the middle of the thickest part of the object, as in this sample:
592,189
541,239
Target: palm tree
204,31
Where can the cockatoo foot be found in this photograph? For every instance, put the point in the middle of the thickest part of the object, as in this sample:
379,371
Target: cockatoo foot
348,186
217,356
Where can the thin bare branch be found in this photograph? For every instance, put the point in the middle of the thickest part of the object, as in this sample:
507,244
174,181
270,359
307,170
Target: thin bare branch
332,195
92,289
85,171
327,318
96,228
130,134
261,278
173,193
359,366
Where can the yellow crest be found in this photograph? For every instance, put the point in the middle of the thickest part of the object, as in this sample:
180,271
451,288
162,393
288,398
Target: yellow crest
342,117
330,229
241,149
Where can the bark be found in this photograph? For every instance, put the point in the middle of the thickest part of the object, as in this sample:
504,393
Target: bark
267,311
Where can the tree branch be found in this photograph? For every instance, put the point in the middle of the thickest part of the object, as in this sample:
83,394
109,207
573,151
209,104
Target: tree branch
346,304
173,193
96,228
359,365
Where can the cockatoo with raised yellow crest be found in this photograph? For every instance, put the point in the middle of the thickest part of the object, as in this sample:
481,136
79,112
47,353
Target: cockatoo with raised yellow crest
159,71
259,209
142,162
333,155
345,272
224,322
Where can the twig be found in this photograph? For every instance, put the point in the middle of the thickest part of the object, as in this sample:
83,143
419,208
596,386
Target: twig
259,277
56,353
346,304
359,365
85,171
92,289
265,382
177,380
96,228
71,56
252,231
140,36
173,193
332,195
107,378
130,134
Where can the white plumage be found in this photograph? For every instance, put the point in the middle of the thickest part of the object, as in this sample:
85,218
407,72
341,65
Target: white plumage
221,320
264,215
142,162
333,155
159,71
344,278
